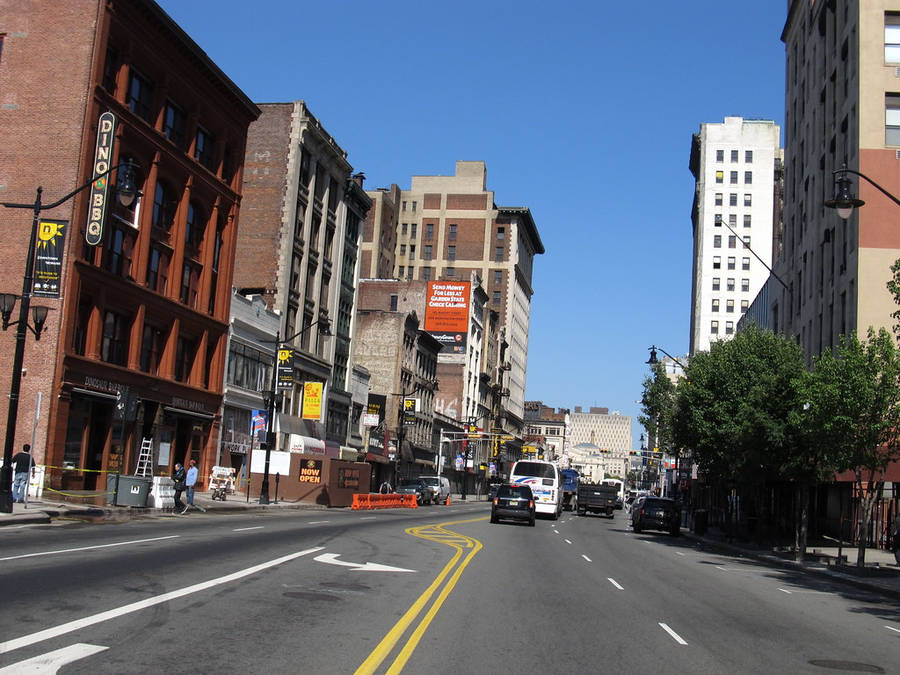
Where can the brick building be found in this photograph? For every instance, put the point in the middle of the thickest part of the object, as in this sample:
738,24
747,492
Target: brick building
142,315
299,248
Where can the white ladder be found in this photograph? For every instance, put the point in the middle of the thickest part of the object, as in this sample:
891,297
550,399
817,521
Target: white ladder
145,459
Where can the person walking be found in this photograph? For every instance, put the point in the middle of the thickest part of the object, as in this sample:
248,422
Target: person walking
178,476
895,533
22,466
190,481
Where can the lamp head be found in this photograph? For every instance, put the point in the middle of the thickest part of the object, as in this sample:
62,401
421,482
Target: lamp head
38,317
7,304
126,186
653,360
325,327
844,202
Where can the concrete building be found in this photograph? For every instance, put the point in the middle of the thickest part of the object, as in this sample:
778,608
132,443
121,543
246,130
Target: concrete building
606,434
449,227
299,249
736,168
547,426
836,270
141,310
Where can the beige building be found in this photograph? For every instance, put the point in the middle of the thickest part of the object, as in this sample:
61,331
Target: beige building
842,107
604,439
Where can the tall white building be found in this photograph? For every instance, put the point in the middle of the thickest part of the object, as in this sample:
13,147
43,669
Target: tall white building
736,166
600,438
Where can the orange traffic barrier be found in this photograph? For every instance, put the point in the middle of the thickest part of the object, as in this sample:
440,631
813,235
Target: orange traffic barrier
364,502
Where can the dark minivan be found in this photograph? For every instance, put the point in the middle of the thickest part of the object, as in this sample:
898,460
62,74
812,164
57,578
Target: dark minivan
656,513
513,502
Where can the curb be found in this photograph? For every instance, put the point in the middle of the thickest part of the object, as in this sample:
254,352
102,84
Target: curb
795,566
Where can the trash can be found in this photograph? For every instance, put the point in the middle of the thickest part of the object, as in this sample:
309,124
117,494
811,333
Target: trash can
128,490
700,522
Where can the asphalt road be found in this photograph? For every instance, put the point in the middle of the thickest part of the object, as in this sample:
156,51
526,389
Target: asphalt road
436,590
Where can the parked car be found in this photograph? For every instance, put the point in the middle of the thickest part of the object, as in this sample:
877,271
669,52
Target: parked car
656,513
513,502
440,488
417,487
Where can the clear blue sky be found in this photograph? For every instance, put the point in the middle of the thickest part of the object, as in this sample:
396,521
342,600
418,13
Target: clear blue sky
582,110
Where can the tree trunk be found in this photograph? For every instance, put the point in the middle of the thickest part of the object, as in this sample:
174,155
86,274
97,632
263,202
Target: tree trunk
802,522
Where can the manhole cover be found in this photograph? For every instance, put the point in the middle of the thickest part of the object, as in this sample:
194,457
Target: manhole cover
846,666
311,596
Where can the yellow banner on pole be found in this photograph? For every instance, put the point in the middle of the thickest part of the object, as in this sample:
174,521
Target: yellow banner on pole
312,400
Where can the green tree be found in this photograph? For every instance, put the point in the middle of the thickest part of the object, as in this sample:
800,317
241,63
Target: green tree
854,414
657,407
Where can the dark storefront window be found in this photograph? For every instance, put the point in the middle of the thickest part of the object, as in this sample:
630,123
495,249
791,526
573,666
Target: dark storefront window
249,368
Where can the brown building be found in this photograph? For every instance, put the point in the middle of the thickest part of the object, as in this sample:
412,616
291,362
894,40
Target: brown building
299,242
142,315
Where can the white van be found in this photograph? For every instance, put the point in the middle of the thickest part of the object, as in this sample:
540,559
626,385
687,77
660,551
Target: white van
439,485
546,482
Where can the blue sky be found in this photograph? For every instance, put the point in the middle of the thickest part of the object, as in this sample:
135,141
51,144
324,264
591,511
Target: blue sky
582,111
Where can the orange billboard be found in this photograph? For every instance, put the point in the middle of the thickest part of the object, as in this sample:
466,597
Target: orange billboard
447,313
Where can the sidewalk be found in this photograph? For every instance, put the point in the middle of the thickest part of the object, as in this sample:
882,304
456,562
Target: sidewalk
881,572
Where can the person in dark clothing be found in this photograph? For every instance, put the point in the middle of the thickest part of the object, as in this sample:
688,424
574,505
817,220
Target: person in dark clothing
178,477
895,532
22,464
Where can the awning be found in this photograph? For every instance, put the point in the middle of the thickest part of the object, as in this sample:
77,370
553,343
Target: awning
348,453
312,446
91,392
424,462
332,449
378,459
190,413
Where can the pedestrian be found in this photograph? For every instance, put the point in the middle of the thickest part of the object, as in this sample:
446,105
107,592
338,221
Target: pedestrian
178,477
385,488
895,533
190,480
22,465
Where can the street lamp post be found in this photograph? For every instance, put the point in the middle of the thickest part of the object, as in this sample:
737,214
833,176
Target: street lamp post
844,202
127,193
324,329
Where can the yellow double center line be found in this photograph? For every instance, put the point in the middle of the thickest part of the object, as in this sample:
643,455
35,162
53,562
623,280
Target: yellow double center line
440,534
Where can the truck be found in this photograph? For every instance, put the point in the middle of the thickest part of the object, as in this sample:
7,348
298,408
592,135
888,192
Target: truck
570,489
597,498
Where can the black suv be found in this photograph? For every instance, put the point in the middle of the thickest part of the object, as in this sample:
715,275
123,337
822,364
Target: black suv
656,513
417,487
513,502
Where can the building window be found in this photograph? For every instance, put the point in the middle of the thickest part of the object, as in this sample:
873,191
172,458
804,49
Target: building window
720,176
114,344
413,228
717,241
402,249
394,297
892,119
498,254
733,177
732,219
501,232
748,156
426,273
120,250
720,155
496,297
718,220
748,199
429,230
414,206
157,269
714,327
190,282
748,178
498,276
451,252
400,272
427,252
717,262
193,230
152,344
747,240
747,220
732,199
403,208
731,262
203,151
745,263
163,207
729,327
715,304
745,285
716,282
184,358
174,123
452,234
140,96
892,37
404,227
450,272
729,284
412,252
110,68
732,241
745,305
718,199
729,306
734,155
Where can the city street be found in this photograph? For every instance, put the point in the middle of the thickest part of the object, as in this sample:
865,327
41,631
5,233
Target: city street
427,590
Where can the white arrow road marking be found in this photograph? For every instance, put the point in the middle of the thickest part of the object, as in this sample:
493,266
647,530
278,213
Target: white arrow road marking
614,583
56,631
51,662
88,548
896,630
568,542
585,557
675,636
332,559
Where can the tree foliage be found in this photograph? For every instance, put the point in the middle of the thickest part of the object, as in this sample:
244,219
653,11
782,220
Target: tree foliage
657,406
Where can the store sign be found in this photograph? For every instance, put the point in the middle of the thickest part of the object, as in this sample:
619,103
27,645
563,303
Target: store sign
285,368
51,239
348,478
370,419
106,135
311,471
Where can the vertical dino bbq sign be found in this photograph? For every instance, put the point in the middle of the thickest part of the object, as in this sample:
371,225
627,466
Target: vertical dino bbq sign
106,135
